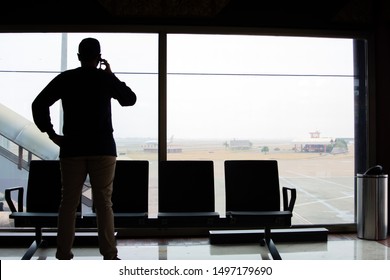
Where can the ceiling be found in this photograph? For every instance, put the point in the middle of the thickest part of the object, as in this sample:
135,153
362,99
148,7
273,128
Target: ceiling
254,13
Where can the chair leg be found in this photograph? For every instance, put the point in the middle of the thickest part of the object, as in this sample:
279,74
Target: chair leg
271,245
35,245
31,251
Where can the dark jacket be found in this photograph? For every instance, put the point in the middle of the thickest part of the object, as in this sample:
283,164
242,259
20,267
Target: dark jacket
86,95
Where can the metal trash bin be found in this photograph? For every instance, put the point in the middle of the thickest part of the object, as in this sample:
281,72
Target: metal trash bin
372,204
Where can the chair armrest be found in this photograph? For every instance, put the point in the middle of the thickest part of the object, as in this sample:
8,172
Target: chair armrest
10,203
288,204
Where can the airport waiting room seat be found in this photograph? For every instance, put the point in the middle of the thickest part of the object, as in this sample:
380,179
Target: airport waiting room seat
253,197
42,201
130,199
186,193
130,194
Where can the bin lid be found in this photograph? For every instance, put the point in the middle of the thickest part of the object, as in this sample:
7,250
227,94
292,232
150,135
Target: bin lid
373,172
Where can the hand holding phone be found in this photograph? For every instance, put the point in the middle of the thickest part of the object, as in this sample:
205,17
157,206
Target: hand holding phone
105,66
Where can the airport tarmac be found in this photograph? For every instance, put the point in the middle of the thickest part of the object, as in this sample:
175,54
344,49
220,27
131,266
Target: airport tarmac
324,182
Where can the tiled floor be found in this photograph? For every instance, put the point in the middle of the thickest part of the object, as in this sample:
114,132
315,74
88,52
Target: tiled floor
338,247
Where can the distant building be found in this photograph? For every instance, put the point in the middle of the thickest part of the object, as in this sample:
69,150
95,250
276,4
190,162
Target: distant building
151,146
240,144
314,144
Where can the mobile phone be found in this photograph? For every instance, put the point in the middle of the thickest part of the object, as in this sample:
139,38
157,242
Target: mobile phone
103,63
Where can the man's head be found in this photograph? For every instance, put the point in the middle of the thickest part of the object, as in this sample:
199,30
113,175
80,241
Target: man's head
89,50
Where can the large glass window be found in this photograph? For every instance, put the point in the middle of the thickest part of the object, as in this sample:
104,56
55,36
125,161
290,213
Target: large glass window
264,97
228,97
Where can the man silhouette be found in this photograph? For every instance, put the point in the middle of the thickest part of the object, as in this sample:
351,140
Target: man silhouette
87,146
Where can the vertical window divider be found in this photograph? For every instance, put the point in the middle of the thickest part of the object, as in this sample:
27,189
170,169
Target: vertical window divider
64,67
162,96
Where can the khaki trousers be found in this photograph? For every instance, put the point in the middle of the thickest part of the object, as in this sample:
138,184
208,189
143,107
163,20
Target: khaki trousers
74,170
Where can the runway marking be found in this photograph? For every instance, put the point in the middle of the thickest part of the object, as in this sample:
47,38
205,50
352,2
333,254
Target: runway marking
333,199
322,180
316,200
297,216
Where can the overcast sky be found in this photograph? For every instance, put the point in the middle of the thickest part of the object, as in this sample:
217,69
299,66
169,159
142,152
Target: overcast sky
265,93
